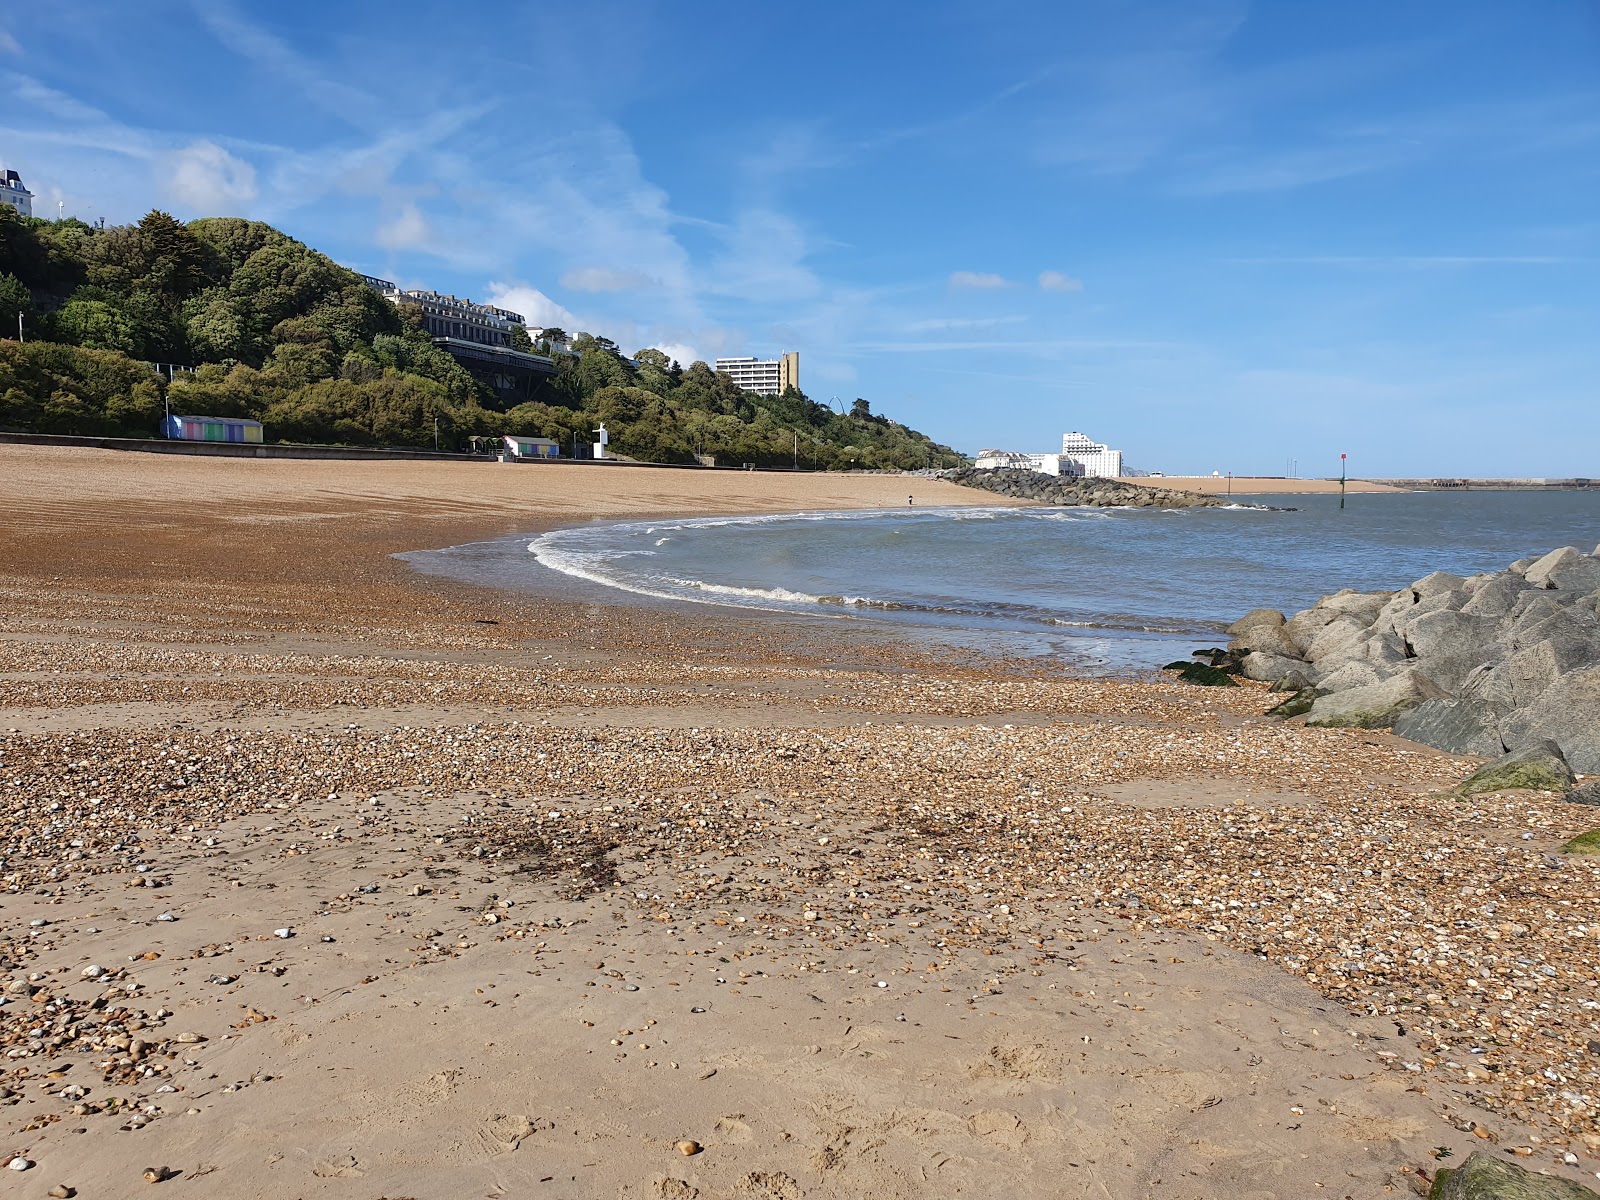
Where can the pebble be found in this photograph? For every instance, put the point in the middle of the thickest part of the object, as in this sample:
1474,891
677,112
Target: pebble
285,932
688,1147
19,1163
61,1192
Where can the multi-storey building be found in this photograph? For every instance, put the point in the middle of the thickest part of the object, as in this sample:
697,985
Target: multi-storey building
449,317
1044,464
478,336
762,377
1099,460
12,192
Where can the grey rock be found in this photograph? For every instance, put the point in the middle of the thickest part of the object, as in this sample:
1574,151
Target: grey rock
1492,684
1589,793
1266,667
1269,617
1432,585
1373,706
1533,669
1295,681
1567,713
1520,567
1363,606
1453,671
1447,631
1498,596
1538,766
1539,573
1304,626
1455,726
1296,705
1352,673
1270,639
1337,635
1581,576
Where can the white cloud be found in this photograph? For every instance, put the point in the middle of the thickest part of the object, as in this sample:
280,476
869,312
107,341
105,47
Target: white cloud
603,279
1055,281
764,260
205,178
935,324
982,281
408,229
678,352
541,311
9,44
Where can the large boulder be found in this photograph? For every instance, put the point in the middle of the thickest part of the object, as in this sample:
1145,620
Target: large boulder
1372,706
1589,793
1432,585
1447,631
1497,596
1567,713
1455,726
1304,626
1267,667
1363,606
1482,1177
1269,617
1539,573
1538,767
1265,637
1454,671
1337,635
1581,576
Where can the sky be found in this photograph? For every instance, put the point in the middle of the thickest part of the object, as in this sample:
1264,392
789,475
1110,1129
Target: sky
1218,235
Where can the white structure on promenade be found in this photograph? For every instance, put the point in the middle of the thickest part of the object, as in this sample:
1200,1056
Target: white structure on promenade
764,378
1044,464
1080,455
12,192
1099,460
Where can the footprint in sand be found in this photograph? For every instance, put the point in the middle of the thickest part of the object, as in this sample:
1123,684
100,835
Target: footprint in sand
676,1189
502,1134
734,1128
998,1127
341,1166
770,1185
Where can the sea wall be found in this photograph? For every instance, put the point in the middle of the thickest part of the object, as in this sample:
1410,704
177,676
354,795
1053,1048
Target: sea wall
1095,493
1489,664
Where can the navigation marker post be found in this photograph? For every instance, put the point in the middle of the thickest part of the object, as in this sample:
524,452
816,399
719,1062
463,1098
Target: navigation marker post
1342,459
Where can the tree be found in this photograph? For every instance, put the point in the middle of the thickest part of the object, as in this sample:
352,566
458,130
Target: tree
861,409
520,339
15,301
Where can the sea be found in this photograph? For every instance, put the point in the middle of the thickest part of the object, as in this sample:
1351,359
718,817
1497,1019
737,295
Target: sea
1104,590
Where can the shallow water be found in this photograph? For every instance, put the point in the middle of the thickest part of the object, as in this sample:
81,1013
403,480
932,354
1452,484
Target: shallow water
1108,589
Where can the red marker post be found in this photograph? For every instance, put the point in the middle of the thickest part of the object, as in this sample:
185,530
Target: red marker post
1342,459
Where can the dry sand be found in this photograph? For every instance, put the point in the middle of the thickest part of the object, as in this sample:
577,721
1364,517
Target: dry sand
568,884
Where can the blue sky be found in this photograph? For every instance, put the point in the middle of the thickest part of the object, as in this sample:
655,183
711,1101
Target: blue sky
1221,236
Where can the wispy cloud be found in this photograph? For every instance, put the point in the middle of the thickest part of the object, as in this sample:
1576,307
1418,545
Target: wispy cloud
275,56
980,281
206,179
604,279
9,44
934,324
1055,281
408,229
1405,261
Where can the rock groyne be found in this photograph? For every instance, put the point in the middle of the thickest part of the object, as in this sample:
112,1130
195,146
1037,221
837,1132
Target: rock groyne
1488,664
1093,493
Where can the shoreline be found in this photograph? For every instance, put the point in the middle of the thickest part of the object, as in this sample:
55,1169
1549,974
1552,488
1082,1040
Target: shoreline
567,882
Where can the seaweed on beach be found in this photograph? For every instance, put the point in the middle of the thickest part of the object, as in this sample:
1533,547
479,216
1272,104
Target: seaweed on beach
529,846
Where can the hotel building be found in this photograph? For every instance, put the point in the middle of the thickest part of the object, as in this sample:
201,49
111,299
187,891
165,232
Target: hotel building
1080,456
13,193
763,378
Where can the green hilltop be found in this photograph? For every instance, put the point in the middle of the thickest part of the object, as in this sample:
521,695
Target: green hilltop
279,333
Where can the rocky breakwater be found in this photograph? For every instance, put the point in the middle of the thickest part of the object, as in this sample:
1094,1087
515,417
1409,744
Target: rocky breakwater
1489,664
1092,493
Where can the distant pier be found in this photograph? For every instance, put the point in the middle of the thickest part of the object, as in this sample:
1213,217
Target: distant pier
1493,485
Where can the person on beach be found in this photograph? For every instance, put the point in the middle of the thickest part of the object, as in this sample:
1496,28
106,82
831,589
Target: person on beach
911,501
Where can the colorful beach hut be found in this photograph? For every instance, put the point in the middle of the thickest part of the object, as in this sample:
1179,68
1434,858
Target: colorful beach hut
526,447
212,429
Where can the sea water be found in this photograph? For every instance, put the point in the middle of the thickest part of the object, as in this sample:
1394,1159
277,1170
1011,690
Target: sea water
1107,589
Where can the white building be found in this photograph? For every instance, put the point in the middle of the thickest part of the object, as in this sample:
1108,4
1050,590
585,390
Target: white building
1044,464
763,378
1099,461
12,192
1080,455
449,317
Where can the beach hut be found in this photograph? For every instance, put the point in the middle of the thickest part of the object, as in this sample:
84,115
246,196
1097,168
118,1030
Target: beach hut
526,447
212,429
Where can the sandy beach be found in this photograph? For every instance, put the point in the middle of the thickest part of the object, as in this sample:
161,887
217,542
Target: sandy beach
326,879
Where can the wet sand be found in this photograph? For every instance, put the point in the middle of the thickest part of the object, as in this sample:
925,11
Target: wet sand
568,884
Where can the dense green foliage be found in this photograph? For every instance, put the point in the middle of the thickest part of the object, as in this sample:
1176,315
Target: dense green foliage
280,333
